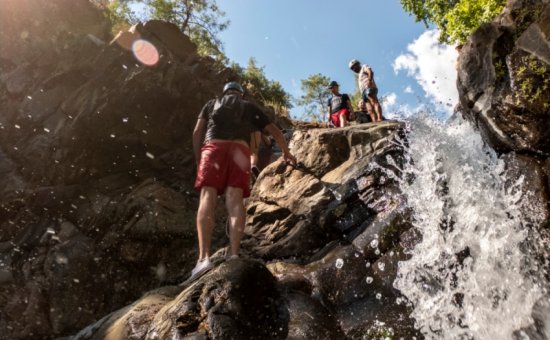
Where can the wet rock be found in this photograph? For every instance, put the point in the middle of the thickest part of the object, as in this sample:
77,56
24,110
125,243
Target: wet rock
309,319
325,202
377,318
503,79
238,299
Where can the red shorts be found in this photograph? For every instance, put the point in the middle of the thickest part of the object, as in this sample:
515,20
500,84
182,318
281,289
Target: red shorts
335,117
224,165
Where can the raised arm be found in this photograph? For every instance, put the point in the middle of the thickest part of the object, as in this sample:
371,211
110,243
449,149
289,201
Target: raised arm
274,131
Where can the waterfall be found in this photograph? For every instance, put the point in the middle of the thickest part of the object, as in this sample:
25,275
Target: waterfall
470,276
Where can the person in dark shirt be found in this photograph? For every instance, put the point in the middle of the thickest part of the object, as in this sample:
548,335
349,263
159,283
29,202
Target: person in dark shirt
220,144
339,106
365,113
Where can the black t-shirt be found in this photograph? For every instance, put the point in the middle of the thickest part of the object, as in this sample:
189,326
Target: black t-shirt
337,103
232,118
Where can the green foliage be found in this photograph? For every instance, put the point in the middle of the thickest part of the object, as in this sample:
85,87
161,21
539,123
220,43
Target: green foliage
456,19
315,97
201,20
256,83
534,80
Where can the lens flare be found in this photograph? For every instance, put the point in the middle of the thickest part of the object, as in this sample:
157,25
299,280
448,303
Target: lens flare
145,52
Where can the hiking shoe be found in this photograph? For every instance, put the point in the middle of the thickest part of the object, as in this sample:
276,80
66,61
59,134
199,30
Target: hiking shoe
202,267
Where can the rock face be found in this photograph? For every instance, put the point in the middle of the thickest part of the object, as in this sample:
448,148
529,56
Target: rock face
504,87
97,207
96,203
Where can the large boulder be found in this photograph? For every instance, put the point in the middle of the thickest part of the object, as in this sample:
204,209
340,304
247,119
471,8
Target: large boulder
504,78
237,300
345,177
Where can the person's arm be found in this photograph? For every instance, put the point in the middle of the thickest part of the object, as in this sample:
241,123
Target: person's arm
274,131
198,138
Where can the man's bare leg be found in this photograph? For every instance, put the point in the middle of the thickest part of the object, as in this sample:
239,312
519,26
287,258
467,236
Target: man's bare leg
205,220
377,108
343,121
236,213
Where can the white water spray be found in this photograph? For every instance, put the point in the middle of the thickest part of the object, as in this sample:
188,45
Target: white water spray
467,278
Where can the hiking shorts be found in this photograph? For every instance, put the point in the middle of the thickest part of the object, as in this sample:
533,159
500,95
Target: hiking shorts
370,92
335,117
223,165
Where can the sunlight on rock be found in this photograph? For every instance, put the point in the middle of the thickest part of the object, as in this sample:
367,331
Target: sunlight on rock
145,52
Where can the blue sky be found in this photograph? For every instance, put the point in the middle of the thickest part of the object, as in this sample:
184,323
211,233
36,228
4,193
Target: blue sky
293,39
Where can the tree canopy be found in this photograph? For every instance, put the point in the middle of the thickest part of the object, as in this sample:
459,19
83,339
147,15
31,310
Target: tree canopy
256,83
456,19
316,96
201,20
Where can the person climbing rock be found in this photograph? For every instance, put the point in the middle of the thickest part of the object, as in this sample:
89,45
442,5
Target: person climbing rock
221,146
339,106
364,113
367,86
261,146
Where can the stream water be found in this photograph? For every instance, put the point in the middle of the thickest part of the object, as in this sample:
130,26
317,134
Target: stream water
474,274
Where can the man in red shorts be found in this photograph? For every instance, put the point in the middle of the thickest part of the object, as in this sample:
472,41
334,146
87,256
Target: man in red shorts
220,144
339,106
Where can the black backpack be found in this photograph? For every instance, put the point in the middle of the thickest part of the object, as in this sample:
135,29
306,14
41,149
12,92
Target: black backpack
228,107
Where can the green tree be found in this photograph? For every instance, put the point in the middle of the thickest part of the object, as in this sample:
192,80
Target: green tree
315,97
456,19
256,83
201,20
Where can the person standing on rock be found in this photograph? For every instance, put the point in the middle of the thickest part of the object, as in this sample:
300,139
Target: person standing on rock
367,86
221,146
339,106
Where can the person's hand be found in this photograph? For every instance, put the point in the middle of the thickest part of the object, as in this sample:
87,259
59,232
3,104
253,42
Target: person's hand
289,158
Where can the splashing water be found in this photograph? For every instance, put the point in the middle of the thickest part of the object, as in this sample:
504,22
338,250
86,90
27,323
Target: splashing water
467,277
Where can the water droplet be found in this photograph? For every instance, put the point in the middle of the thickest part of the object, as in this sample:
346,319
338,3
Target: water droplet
125,120
369,280
378,296
112,135
377,251
374,244
47,130
381,266
29,97
61,259
150,155
367,264
17,126
339,263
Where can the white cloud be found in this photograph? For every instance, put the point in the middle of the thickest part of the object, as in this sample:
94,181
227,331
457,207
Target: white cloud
408,89
389,101
432,65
